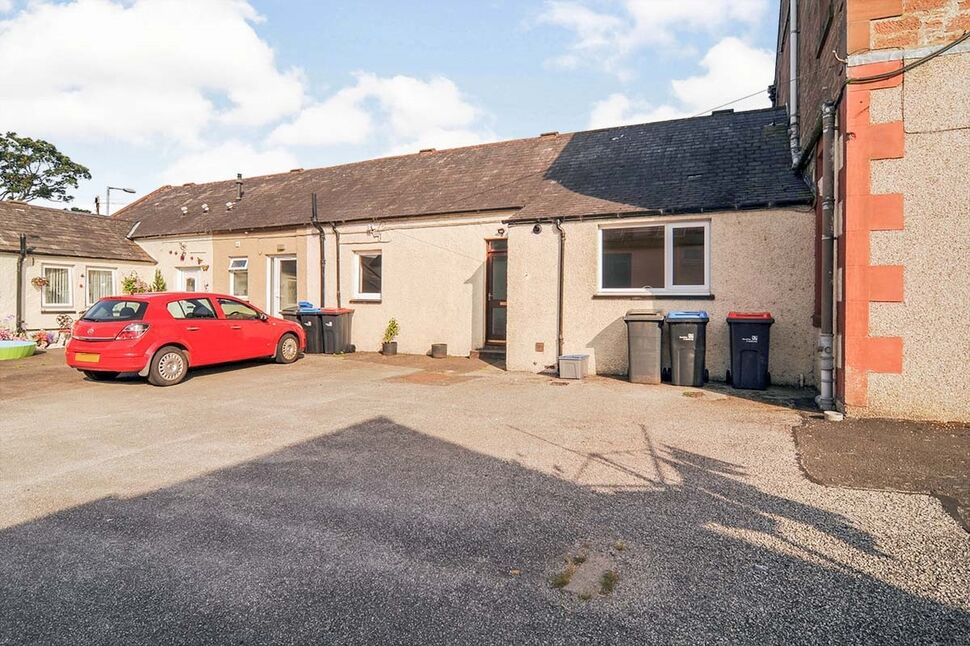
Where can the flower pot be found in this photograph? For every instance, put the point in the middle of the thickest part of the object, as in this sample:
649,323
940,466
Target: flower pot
389,349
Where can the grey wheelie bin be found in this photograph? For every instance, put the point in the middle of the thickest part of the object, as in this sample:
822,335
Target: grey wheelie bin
644,332
688,348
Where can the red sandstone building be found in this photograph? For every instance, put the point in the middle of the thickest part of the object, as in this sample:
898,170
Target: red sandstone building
890,168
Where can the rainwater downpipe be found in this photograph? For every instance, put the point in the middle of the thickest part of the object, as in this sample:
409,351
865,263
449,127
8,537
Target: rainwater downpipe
315,220
559,306
826,398
336,242
21,257
794,133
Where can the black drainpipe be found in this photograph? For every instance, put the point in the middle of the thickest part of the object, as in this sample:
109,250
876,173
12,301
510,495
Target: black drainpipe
559,317
315,220
336,241
21,257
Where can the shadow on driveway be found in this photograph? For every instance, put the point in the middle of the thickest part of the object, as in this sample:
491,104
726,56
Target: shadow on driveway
379,534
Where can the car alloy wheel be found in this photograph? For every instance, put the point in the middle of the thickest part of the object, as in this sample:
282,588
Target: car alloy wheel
289,349
171,365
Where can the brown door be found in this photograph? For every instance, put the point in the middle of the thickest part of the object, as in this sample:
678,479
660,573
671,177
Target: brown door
496,281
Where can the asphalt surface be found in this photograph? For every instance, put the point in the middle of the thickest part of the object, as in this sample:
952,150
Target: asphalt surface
894,455
335,502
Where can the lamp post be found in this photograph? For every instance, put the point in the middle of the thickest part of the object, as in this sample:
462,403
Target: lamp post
107,201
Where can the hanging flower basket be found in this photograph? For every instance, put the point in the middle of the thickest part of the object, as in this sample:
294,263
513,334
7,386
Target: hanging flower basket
39,282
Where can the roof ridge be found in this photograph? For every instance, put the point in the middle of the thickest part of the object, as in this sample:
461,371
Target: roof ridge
56,210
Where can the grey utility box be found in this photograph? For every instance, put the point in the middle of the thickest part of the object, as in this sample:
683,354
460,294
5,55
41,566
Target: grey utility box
573,366
644,331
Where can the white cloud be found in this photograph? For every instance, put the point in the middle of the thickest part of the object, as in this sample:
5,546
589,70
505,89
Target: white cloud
608,39
142,70
732,69
410,113
620,110
225,160
6,5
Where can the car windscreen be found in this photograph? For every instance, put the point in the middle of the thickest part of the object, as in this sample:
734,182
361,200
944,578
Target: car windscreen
116,310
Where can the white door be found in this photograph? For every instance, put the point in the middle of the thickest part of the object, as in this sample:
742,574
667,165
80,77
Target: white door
190,279
284,284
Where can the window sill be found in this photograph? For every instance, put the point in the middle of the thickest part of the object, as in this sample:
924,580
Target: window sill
58,309
366,300
654,297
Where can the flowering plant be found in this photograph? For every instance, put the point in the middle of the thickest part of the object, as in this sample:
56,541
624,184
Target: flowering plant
39,282
133,284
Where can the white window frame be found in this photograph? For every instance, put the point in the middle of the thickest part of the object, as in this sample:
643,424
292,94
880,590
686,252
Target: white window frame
70,287
233,270
669,288
357,256
87,282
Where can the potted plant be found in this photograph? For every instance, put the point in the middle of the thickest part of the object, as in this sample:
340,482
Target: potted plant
389,346
39,282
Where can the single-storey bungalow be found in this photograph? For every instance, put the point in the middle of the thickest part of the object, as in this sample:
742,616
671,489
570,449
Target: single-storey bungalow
54,264
536,246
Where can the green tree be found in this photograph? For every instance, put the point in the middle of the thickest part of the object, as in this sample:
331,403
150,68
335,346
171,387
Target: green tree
158,283
34,169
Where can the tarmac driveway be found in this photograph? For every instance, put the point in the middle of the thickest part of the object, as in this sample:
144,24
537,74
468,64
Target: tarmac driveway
348,500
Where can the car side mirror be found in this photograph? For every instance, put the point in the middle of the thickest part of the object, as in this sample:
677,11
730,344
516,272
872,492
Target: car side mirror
263,316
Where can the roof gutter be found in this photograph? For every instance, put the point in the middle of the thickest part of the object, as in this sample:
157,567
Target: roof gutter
753,206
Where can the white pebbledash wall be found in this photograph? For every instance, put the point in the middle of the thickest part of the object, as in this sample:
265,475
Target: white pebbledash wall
760,260
433,280
37,316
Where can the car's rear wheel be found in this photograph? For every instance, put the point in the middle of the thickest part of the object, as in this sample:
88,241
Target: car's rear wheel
288,349
100,375
169,366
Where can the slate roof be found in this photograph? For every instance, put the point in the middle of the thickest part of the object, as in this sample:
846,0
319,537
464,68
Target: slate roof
64,233
718,162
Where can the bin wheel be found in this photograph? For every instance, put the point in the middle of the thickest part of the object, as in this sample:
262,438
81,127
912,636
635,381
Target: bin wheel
727,379
707,375
768,380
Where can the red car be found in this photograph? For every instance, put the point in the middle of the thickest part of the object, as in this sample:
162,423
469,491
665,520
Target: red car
161,335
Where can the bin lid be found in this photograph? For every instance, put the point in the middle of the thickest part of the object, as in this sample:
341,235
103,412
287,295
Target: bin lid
336,310
688,316
644,315
764,317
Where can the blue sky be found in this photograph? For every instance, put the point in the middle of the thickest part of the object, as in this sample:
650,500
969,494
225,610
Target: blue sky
147,92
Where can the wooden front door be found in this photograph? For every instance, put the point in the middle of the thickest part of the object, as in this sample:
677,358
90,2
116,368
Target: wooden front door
496,282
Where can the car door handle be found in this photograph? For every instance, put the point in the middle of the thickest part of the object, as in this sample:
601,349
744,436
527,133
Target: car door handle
235,327
193,328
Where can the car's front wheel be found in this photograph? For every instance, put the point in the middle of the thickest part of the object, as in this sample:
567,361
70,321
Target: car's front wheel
169,366
288,349
100,375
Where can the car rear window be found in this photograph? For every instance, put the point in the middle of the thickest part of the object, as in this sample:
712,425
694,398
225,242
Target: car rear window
116,310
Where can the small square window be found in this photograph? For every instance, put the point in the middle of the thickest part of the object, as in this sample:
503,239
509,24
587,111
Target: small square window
58,291
100,284
368,279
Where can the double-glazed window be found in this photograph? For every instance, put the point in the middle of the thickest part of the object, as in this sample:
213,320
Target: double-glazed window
101,284
655,259
239,277
57,292
367,275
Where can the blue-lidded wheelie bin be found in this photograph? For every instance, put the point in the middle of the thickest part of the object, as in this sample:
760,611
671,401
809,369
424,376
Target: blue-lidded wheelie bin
688,347
750,334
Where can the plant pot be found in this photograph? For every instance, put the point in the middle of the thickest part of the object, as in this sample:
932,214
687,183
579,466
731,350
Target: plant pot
389,349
